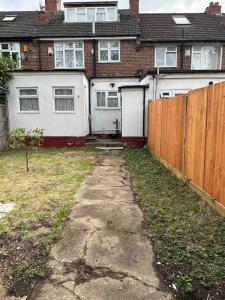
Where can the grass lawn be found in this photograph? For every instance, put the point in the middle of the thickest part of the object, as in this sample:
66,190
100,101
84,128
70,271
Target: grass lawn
42,198
188,237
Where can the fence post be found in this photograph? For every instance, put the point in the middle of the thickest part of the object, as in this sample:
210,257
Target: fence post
185,134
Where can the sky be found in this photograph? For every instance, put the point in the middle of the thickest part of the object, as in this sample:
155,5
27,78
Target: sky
145,5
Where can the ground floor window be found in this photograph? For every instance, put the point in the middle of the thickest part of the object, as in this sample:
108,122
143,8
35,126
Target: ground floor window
108,100
64,99
28,100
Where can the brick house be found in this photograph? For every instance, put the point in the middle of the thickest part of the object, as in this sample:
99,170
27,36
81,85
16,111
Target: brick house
80,69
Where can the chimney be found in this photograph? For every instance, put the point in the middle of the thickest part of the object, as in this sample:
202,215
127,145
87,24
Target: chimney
42,17
213,9
53,5
134,7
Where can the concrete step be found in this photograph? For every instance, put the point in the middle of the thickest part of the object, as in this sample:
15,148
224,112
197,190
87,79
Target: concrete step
104,143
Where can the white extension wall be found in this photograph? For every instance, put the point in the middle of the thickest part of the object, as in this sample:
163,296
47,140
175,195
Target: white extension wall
102,119
54,123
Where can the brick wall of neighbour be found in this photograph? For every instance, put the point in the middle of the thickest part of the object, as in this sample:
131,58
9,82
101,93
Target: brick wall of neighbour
223,57
30,55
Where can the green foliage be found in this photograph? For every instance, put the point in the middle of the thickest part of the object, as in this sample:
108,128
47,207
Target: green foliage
188,236
26,140
6,65
26,270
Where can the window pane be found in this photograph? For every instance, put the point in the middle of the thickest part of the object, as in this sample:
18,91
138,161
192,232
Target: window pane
114,44
104,55
69,58
101,15
91,14
59,59
104,45
196,61
69,45
6,54
28,92
29,104
15,47
5,46
79,45
64,104
111,14
112,94
81,15
115,55
171,59
59,46
64,92
79,58
70,15
113,102
101,99
172,49
160,56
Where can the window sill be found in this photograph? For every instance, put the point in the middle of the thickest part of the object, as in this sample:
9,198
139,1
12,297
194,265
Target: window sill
109,62
108,108
29,112
64,112
166,67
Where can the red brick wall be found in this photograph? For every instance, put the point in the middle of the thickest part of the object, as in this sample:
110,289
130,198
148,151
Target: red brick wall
132,58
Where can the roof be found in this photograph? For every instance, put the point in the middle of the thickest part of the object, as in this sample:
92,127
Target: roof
87,4
25,25
162,28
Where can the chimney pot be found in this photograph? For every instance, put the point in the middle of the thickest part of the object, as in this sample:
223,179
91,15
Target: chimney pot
134,7
213,9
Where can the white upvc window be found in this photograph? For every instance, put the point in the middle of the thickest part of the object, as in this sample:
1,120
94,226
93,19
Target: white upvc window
69,55
90,14
109,51
11,50
64,99
206,57
107,100
28,100
166,56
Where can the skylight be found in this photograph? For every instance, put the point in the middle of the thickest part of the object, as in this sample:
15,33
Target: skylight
9,18
181,20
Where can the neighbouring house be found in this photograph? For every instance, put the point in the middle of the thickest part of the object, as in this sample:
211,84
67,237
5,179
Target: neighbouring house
92,68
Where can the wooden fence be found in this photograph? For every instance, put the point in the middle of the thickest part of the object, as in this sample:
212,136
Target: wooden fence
3,127
188,133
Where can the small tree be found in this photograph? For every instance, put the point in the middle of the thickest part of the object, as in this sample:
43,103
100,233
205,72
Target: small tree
26,140
6,64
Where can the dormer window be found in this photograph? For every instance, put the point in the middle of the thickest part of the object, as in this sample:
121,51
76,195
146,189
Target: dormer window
91,12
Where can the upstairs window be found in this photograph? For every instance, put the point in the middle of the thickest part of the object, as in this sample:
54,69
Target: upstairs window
11,50
69,55
109,51
206,57
90,14
166,57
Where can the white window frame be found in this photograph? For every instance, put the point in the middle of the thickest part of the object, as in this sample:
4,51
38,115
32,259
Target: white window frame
200,52
11,51
64,96
96,10
74,54
106,107
27,97
109,61
165,65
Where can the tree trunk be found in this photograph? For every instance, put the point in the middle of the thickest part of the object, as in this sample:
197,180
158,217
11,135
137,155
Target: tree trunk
27,160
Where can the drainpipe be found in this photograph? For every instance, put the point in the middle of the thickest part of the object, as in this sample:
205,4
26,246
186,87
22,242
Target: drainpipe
89,101
144,98
94,57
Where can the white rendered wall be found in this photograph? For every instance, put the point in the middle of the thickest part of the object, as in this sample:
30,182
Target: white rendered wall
132,112
102,119
54,123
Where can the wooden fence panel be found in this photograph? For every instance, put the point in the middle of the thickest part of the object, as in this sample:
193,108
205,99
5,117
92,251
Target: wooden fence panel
195,136
173,131
214,173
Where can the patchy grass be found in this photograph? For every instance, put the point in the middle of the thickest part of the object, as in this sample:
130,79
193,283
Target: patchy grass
43,198
187,235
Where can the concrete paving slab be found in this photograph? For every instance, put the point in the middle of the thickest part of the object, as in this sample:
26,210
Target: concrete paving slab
49,291
126,217
121,252
123,194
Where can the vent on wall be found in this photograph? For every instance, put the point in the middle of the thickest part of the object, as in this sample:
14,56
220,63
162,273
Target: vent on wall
165,95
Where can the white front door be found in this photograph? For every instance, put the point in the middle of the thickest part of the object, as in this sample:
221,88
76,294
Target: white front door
106,112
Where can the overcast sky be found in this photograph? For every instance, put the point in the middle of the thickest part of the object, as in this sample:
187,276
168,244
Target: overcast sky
145,5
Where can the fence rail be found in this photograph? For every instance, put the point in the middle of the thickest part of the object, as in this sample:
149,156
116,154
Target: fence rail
188,132
3,127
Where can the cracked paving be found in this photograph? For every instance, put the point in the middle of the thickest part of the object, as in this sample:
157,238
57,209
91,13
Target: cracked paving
103,252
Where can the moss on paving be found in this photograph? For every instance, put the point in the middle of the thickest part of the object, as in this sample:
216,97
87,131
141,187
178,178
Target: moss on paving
42,198
188,236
